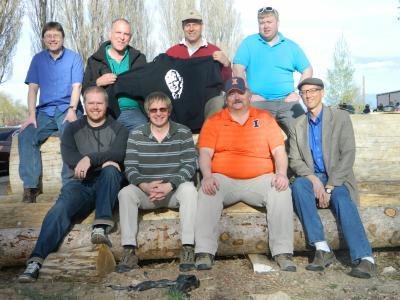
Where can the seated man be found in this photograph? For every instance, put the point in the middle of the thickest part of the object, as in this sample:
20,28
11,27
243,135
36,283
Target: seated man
94,149
238,147
322,152
160,162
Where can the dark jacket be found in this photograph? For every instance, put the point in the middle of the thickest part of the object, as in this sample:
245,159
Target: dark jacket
97,65
104,143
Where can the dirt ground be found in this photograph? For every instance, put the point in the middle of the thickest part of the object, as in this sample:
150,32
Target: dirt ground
230,278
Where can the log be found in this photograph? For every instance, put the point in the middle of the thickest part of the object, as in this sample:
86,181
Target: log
377,154
242,230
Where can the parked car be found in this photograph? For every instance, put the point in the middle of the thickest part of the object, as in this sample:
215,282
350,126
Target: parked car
5,148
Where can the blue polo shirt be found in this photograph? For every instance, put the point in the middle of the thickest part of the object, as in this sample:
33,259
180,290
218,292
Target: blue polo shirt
269,70
315,142
55,79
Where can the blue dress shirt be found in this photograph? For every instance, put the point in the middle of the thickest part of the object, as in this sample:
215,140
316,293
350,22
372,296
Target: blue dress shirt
315,142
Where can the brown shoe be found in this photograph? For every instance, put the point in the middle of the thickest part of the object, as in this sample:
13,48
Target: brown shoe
129,261
322,259
30,195
285,262
365,269
186,262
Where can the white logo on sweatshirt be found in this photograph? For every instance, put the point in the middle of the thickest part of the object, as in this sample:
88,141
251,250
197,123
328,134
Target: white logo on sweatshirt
174,82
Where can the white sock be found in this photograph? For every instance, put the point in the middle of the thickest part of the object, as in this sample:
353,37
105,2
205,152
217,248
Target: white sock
323,245
369,258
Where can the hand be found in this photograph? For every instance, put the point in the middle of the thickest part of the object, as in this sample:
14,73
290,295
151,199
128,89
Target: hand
280,182
82,167
28,121
111,163
106,79
318,187
148,187
70,116
160,191
209,185
221,58
323,202
292,97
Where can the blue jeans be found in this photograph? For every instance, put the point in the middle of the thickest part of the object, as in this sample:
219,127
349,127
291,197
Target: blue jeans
29,142
76,201
132,118
343,208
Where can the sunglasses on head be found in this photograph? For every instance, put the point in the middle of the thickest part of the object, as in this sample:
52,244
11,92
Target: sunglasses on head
266,9
155,110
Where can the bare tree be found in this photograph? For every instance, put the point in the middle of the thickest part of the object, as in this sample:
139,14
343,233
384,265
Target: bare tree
11,13
40,12
222,24
85,23
171,19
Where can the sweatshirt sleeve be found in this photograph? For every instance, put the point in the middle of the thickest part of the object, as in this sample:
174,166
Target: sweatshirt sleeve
69,150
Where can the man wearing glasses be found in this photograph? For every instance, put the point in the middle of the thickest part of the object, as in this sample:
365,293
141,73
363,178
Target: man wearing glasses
159,165
322,152
267,61
57,72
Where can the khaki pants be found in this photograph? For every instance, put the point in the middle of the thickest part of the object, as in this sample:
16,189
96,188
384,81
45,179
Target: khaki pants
255,192
131,198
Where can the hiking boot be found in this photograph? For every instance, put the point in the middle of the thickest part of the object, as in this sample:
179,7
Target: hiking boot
322,259
129,261
30,195
187,259
365,269
99,236
31,273
285,262
204,261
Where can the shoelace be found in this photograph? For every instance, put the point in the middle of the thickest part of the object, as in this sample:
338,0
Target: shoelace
187,255
32,267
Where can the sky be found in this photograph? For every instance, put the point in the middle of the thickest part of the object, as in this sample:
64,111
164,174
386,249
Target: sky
370,27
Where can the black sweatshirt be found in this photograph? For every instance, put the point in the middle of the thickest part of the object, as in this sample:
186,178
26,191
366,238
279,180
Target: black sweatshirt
104,143
188,82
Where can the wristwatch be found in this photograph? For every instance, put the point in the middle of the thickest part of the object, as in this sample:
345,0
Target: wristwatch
328,189
72,107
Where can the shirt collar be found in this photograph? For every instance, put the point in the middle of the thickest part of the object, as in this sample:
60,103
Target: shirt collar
59,57
173,128
204,43
281,39
317,120
108,47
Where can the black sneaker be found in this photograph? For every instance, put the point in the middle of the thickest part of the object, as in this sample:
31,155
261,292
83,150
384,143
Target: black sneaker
204,261
129,261
31,273
187,259
99,236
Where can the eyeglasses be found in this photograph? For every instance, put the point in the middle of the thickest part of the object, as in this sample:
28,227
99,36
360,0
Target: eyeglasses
267,9
310,91
53,36
155,110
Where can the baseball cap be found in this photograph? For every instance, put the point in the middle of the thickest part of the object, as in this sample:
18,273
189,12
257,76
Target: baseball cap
191,15
311,81
235,83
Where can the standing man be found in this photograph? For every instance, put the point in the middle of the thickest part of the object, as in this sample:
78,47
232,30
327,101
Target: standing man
195,45
252,170
160,164
94,149
57,72
322,153
267,61
113,58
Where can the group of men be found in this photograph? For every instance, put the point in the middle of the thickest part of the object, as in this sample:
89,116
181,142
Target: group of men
141,157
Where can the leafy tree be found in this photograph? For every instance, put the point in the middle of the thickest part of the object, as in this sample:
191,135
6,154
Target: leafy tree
11,113
341,86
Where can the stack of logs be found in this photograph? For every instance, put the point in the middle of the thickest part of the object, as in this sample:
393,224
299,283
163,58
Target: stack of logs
243,228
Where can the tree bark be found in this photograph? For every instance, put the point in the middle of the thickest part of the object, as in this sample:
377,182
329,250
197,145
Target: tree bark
242,230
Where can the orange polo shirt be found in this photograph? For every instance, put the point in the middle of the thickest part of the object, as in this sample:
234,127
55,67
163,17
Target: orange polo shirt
241,151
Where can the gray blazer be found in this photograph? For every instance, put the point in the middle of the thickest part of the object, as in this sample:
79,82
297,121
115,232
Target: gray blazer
338,147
